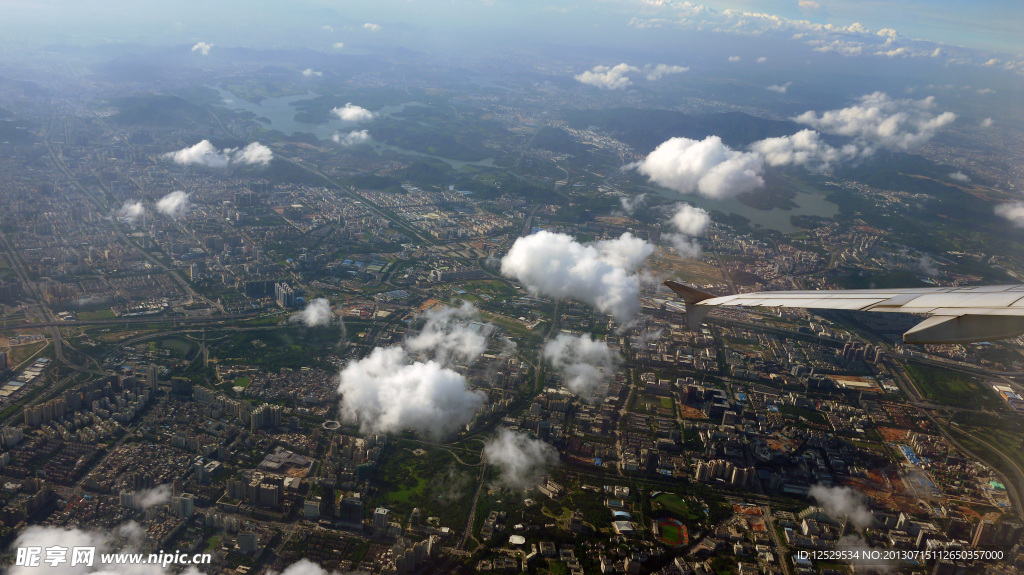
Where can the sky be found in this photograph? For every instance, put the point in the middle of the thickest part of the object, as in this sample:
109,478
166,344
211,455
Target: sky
990,25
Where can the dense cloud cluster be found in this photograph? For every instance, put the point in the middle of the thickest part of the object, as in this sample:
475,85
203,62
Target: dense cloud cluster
385,392
353,114
880,120
707,167
602,274
712,169
585,365
206,154
174,204
521,459
413,385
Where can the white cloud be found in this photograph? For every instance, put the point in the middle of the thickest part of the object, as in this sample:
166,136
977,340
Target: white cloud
808,5
521,459
862,554
254,153
780,88
607,78
1013,212
327,28
630,205
317,313
371,26
452,335
338,45
878,119
174,204
585,365
984,91
308,72
690,222
206,154
992,62
353,138
158,495
762,59
661,70
353,114
960,177
203,48
132,212
837,501
602,274
734,58
987,123
706,167
386,393
803,148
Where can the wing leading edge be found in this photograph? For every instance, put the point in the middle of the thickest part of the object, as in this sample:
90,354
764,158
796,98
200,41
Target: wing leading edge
958,314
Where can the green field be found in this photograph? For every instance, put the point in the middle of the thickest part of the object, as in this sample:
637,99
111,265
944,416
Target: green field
673,504
672,533
242,382
98,314
952,388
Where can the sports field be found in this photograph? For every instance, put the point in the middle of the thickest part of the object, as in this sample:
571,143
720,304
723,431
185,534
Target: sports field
673,533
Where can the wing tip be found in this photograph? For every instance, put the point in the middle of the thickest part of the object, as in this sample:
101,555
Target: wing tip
690,295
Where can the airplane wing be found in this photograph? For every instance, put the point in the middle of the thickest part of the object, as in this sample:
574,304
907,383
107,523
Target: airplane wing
958,314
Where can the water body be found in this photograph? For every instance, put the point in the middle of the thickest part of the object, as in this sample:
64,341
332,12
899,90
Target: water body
808,204
281,114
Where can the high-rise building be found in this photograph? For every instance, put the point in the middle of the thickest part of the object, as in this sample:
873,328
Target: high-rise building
151,377
186,505
3,361
380,518
248,542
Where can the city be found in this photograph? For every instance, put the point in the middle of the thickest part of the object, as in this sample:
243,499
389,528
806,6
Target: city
310,320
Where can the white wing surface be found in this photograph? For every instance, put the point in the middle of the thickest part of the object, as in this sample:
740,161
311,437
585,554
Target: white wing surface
959,314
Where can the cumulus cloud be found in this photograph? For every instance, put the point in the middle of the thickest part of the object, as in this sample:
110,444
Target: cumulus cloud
317,313
353,114
371,27
960,177
521,459
837,501
880,120
327,28
452,335
203,48
706,167
690,222
602,274
385,392
174,204
661,70
585,365
338,45
206,154
254,153
353,138
311,72
780,88
809,5
607,78
803,148
734,58
987,123
762,59
132,212
159,495
1013,212
630,205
